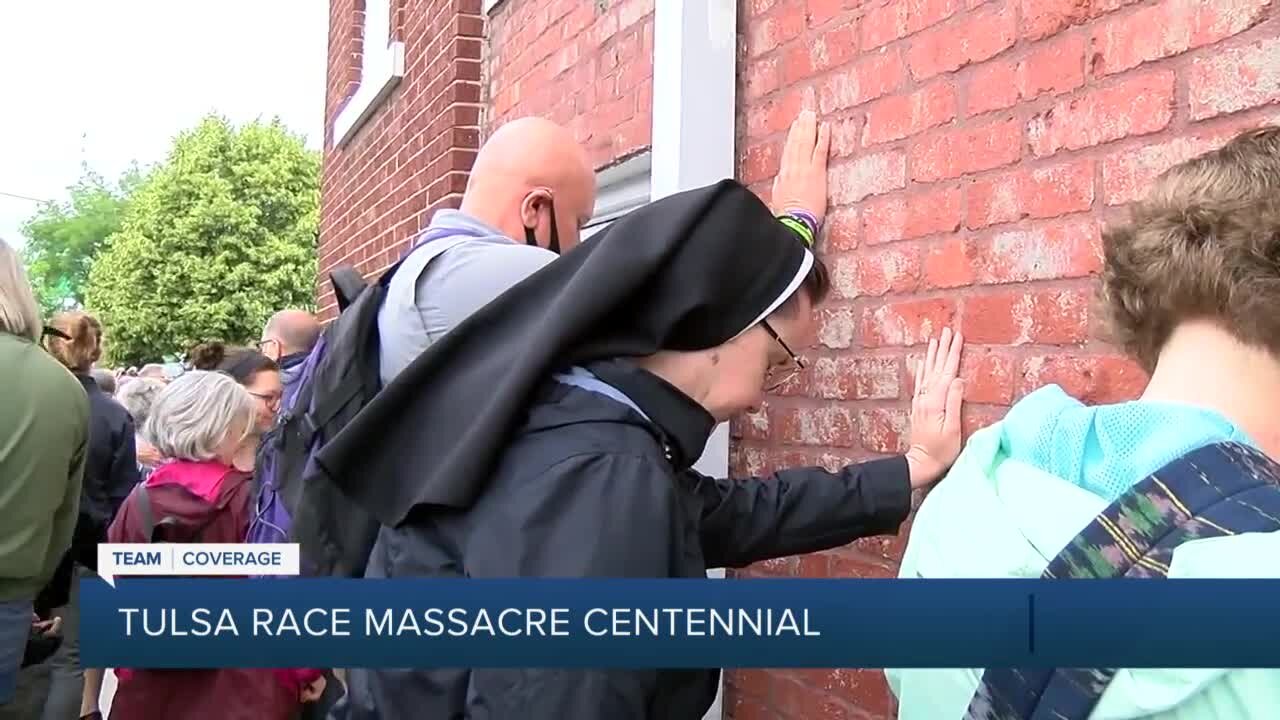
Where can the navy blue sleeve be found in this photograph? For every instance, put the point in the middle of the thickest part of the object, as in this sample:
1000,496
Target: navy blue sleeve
799,510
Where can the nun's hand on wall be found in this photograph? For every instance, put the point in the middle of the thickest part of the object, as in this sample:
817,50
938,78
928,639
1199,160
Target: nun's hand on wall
802,175
935,410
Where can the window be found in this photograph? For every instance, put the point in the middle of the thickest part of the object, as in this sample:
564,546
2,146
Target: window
619,190
381,68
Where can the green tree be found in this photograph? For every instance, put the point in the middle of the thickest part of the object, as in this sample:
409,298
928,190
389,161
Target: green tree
218,237
63,238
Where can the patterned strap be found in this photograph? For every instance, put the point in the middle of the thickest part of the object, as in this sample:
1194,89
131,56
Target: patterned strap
1223,489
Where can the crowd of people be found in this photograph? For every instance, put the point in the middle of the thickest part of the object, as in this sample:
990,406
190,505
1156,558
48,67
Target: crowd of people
540,402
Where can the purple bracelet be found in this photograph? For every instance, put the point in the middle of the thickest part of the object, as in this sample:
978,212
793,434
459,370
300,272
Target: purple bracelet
806,217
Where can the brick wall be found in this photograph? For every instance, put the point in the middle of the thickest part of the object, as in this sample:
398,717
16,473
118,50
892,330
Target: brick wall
587,64
411,157
979,146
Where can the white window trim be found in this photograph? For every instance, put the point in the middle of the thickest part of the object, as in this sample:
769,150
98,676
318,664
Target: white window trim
489,5
381,69
694,102
620,189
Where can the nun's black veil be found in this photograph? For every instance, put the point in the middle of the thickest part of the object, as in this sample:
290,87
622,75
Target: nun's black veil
688,272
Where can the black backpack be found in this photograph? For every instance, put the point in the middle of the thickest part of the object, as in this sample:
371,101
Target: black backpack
293,501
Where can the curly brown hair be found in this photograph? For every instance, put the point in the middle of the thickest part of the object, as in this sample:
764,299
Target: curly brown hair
1203,244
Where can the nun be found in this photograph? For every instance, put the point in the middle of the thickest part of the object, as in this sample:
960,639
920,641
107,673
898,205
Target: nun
553,434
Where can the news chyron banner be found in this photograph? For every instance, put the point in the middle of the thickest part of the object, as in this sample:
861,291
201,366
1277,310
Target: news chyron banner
169,622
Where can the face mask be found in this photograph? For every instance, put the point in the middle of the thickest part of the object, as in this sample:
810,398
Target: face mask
529,238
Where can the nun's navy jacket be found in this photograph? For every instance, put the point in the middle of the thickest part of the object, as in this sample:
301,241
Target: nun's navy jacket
598,484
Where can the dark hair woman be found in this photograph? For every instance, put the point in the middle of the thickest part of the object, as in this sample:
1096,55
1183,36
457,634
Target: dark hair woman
255,372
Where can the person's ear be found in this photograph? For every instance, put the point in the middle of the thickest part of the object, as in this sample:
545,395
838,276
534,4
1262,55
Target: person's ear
531,208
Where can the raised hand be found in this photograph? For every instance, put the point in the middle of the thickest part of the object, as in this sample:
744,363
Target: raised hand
802,175
935,410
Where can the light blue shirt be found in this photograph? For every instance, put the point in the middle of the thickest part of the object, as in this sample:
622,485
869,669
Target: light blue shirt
430,295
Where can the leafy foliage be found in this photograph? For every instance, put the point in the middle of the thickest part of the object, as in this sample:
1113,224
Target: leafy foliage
213,241
64,238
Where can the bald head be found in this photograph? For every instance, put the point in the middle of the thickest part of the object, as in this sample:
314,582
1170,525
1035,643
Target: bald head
291,331
527,168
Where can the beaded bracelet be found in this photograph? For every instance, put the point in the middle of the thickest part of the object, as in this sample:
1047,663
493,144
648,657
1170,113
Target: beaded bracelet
799,227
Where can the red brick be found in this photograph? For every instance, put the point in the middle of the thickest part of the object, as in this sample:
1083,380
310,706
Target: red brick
988,375
845,134
894,20
981,35
903,217
949,264
759,162
774,114
880,73
828,426
762,76
1090,379
944,155
975,417
1055,67
820,11
1236,79
1018,317
1042,18
884,430
1061,249
857,378
851,181
748,707
840,230
992,86
1127,174
801,702
1169,28
1036,193
902,116
907,322
1136,106
892,269
834,47
770,32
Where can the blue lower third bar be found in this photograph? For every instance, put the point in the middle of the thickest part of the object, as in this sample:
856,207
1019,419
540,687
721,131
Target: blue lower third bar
159,623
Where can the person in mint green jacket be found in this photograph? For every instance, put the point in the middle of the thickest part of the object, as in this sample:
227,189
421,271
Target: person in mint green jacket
1190,287
44,428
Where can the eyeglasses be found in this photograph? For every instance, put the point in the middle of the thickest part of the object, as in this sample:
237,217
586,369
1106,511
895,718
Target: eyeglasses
262,345
272,400
777,377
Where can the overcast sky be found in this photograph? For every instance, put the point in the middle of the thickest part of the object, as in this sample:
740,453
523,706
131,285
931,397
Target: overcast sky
111,82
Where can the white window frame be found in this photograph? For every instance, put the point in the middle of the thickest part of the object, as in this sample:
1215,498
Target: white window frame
694,103
381,69
620,189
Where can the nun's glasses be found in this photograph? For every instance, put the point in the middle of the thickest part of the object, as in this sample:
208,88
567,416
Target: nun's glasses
771,382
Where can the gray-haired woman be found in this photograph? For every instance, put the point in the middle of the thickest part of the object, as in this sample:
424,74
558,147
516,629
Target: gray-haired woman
137,396
199,422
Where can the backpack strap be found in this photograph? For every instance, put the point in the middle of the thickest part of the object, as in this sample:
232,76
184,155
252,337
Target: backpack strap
1218,490
146,515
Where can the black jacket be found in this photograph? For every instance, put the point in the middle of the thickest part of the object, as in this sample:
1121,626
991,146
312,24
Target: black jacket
687,272
589,488
110,471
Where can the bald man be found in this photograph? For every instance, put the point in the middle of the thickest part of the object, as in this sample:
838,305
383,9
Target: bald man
532,189
288,338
